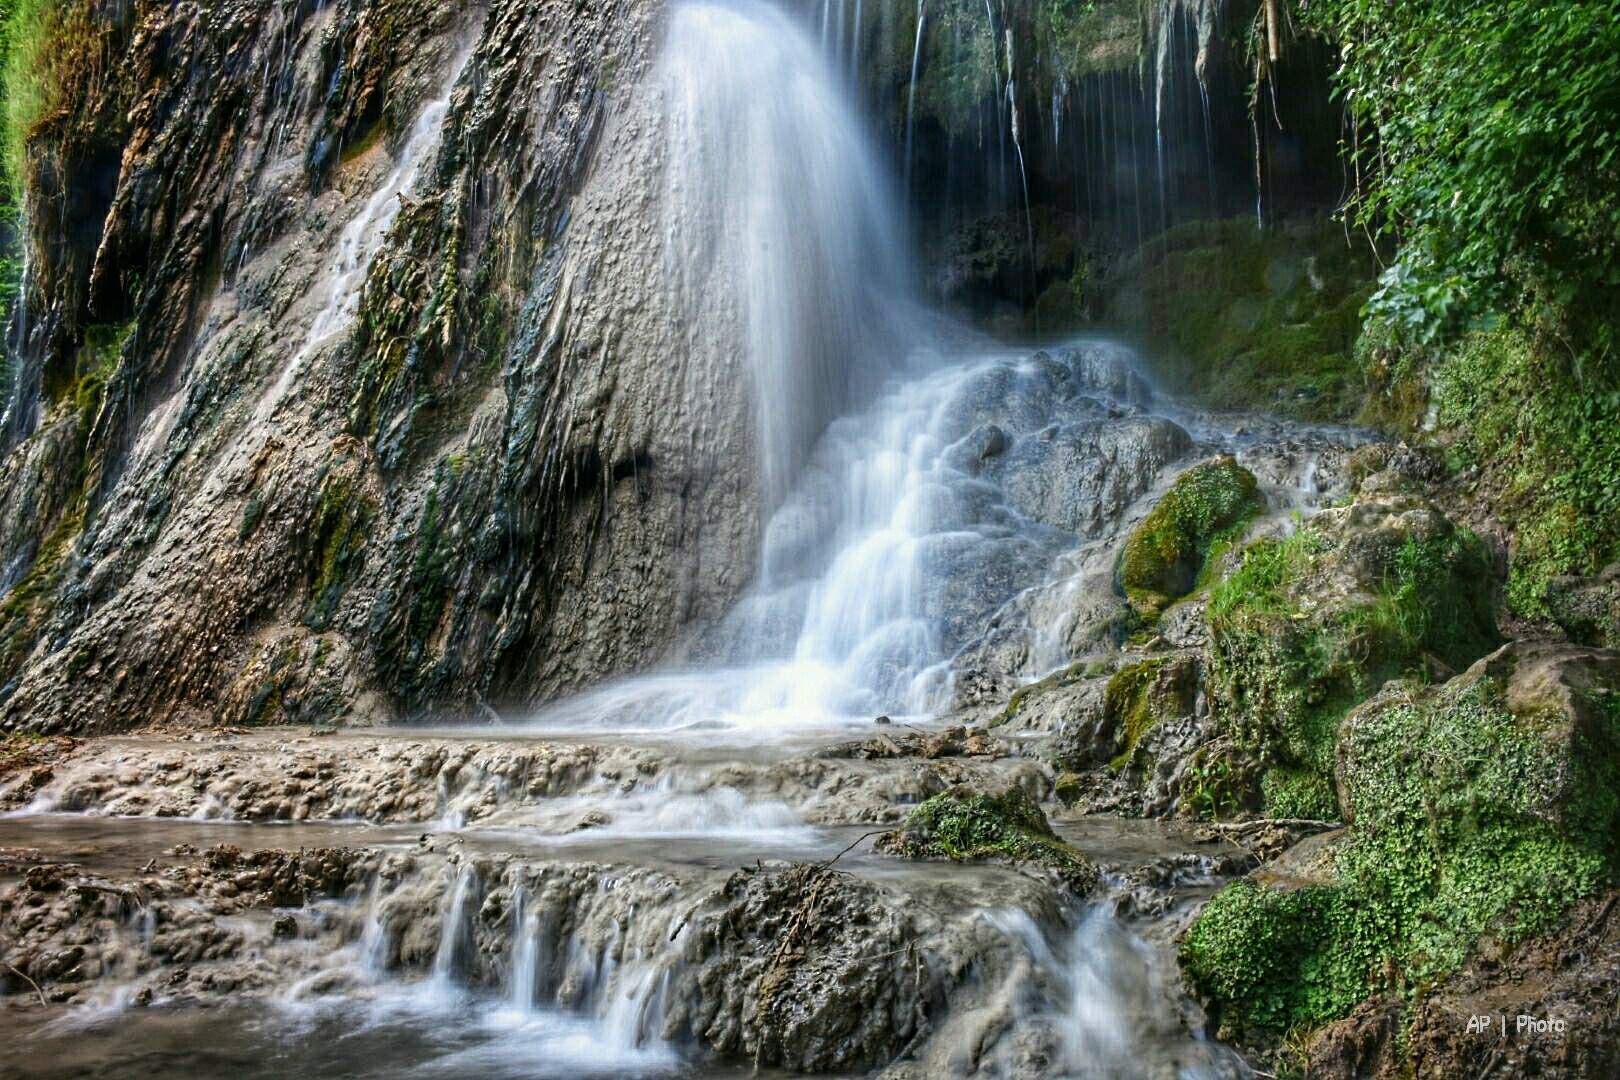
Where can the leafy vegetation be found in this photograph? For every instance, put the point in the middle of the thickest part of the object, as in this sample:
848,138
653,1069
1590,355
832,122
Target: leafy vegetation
1548,454
1486,147
1468,819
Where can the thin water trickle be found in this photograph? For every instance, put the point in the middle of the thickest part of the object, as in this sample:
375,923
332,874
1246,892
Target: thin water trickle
362,238
453,934
911,92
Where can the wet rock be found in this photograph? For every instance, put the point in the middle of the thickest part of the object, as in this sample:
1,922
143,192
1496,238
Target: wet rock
1126,734
808,969
1081,476
254,778
956,741
966,577
975,448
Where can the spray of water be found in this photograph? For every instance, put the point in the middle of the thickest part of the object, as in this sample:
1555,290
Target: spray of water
776,197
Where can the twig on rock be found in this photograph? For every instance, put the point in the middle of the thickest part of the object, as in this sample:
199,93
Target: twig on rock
852,843
24,977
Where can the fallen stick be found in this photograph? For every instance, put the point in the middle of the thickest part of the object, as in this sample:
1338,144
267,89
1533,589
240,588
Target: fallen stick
24,977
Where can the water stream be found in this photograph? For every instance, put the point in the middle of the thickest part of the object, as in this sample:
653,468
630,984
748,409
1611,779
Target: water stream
917,481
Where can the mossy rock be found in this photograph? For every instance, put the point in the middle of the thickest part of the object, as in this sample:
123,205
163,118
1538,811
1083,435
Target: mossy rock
963,825
1165,553
1307,627
1252,316
1587,608
1479,810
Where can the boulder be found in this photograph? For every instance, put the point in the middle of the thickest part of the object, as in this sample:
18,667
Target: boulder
1081,476
963,825
1165,552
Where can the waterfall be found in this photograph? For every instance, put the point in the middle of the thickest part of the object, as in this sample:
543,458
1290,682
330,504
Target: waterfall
453,934
526,954
775,197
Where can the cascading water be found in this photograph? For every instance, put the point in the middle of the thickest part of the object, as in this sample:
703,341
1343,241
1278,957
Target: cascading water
888,539
917,480
775,197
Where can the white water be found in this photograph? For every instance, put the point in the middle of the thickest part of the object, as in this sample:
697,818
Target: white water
882,558
1100,993
776,198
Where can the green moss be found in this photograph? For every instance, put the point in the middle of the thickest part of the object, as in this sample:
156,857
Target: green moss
1284,671
372,137
265,705
963,825
1069,787
1468,821
343,516
1543,437
1251,318
82,385
1164,555
1128,705
27,603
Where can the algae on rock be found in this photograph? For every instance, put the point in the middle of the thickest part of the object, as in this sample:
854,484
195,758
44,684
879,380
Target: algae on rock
964,826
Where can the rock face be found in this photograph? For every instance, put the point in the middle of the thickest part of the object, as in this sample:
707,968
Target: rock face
265,482
1080,477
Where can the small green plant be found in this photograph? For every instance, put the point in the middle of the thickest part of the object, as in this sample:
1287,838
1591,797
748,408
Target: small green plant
963,825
